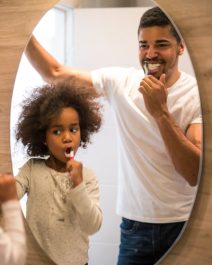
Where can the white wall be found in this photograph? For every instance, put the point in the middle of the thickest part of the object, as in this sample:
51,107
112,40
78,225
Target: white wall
107,37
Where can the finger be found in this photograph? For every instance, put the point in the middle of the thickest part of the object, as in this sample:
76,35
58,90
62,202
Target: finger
69,166
150,78
152,82
143,89
163,78
149,82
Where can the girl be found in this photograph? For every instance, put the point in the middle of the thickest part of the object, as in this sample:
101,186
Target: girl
63,196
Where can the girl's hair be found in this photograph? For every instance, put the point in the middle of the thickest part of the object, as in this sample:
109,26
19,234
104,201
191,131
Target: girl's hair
48,100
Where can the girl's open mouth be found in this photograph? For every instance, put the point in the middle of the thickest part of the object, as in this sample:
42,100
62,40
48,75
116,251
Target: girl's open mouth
69,152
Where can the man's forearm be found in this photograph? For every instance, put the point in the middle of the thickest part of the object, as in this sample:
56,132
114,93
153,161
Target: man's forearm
46,65
49,68
184,154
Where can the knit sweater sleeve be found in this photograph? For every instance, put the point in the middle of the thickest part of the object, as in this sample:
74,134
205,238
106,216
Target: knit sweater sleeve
85,199
12,235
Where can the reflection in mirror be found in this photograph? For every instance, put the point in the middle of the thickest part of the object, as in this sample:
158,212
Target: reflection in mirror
116,44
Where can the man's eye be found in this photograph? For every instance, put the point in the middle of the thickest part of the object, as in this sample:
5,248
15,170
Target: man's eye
142,46
162,45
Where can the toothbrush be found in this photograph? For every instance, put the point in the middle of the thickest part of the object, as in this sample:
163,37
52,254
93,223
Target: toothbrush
145,69
71,154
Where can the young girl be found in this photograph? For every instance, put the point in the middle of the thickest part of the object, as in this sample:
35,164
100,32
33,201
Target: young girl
63,196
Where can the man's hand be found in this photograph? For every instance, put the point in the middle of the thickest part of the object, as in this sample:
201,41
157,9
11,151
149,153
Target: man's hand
7,188
155,95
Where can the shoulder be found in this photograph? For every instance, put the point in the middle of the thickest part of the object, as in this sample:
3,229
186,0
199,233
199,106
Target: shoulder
188,79
116,72
111,79
186,85
32,163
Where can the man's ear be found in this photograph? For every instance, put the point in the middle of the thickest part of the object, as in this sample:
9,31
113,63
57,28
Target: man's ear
181,48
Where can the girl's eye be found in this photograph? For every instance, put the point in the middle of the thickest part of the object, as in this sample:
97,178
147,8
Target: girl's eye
57,132
74,130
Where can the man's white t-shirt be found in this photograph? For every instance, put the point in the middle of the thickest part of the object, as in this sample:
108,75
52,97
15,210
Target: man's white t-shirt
149,188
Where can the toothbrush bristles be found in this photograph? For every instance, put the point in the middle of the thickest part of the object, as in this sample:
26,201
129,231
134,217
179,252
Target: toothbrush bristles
145,69
71,154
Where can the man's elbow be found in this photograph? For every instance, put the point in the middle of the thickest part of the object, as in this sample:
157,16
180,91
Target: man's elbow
192,178
193,181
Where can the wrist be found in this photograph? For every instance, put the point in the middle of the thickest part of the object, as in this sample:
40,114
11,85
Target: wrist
164,115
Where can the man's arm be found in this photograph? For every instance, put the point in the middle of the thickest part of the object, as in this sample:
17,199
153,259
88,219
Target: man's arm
49,68
184,149
12,235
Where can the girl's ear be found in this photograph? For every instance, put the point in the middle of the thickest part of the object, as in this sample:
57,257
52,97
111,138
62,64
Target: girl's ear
44,140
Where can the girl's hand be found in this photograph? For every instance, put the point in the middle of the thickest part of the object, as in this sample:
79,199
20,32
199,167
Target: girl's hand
7,188
75,171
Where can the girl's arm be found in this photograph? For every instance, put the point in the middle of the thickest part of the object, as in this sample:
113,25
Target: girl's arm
12,234
85,198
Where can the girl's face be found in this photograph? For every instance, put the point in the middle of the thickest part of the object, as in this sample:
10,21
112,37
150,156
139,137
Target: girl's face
62,134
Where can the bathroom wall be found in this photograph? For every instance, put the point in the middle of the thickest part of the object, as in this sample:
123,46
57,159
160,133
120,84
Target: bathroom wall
194,19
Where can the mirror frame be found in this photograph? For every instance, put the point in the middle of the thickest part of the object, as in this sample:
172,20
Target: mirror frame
193,19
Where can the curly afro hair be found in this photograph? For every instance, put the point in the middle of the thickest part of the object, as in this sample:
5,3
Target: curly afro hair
46,101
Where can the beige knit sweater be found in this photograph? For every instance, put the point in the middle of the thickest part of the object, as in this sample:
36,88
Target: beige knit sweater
60,217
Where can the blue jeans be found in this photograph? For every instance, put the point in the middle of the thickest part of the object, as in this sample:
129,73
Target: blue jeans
145,243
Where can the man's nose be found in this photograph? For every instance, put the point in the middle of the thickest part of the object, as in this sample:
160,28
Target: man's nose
151,52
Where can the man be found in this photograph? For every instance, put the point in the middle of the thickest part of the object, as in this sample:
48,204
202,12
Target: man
12,234
159,121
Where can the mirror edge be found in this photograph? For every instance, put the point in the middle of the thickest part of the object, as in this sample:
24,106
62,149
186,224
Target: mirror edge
193,246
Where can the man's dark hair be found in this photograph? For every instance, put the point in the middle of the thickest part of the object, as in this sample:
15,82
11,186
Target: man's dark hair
156,17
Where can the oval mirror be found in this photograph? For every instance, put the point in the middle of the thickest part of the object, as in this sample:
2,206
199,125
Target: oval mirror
62,32
106,182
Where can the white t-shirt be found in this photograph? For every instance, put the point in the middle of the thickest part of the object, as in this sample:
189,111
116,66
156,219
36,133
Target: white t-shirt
150,189
12,235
